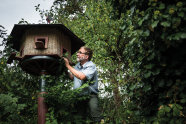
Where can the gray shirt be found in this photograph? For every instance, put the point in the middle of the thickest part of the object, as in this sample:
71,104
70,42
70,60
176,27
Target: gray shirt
90,71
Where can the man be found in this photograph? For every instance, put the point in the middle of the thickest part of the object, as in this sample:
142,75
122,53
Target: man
85,72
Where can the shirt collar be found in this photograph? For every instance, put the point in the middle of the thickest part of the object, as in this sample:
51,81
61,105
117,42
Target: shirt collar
81,66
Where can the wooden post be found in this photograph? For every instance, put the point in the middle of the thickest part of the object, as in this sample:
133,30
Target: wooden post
42,108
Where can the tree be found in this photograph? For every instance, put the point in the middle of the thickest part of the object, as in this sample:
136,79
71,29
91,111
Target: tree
132,41
16,95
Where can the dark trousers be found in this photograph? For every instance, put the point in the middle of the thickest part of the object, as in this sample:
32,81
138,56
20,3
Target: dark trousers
89,108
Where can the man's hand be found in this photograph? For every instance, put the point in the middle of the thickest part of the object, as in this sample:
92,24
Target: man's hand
66,61
76,73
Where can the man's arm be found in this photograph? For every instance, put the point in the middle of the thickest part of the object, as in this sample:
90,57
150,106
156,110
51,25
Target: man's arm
76,73
71,76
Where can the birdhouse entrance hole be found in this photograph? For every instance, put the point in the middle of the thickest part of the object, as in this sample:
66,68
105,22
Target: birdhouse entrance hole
41,42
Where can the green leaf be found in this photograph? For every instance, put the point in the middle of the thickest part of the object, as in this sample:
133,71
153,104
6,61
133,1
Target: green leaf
165,24
148,74
154,24
146,16
161,83
176,112
140,22
165,16
123,27
161,112
181,14
172,121
147,88
132,87
146,33
156,71
177,36
149,66
183,100
169,83
131,93
155,122
183,35
162,6
179,106
167,109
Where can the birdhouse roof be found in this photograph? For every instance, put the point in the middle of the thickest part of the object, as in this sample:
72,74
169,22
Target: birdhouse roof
19,30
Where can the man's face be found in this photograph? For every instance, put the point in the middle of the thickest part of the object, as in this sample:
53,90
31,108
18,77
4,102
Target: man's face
81,55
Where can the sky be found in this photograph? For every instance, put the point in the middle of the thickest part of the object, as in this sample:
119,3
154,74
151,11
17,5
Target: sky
12,11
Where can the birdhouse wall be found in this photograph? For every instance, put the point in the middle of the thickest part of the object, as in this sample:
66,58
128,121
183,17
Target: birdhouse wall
66,44
56,42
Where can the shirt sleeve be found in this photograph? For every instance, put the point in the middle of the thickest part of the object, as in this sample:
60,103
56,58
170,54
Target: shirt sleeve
89,71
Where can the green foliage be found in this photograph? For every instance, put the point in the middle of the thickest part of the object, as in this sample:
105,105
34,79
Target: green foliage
17,92
18,95
10,109
142,42
139,49
61,100
156,60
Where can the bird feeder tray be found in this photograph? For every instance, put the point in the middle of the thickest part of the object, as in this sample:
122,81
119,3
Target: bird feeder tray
35,65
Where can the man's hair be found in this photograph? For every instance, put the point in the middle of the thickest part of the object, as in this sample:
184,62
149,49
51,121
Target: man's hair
89,52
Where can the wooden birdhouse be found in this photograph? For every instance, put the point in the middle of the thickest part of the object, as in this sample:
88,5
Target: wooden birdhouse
41,46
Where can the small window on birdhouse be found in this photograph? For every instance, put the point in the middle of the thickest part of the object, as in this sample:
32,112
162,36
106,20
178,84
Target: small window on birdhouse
41,42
